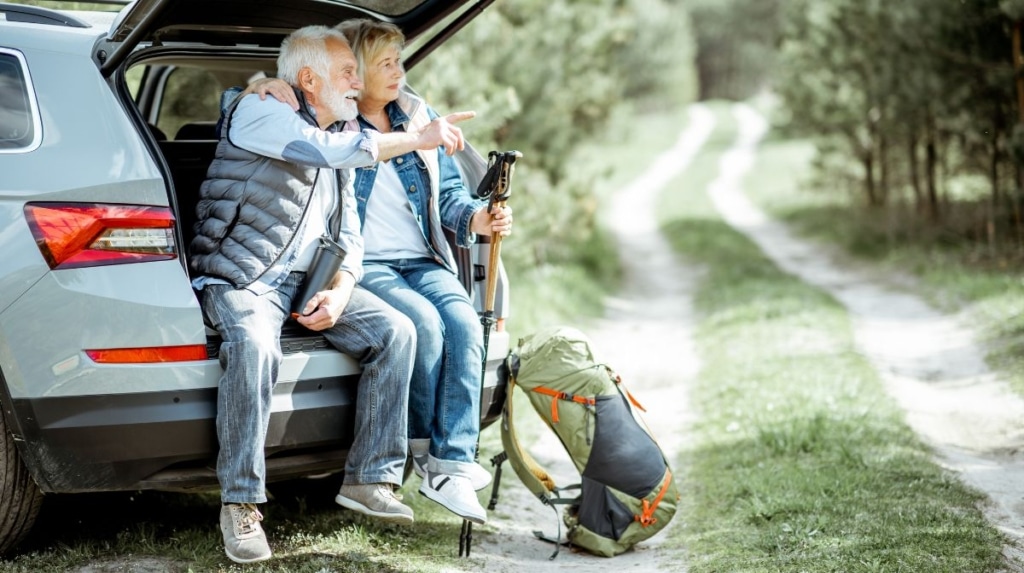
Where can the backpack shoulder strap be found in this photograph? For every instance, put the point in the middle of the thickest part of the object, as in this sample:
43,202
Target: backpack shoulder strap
534,477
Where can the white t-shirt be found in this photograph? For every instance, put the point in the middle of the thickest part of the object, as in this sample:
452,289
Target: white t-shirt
391,230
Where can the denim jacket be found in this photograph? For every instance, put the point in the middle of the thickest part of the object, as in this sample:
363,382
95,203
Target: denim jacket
433,184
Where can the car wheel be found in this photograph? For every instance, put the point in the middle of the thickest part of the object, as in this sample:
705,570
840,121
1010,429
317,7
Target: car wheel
20,497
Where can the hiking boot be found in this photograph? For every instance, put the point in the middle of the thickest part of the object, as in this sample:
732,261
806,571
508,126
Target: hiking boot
374,499
455,493
244,540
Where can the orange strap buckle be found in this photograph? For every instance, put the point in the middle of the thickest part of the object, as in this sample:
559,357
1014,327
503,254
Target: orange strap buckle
557,395
646,516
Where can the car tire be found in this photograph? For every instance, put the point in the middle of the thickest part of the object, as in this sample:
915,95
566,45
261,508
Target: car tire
20,497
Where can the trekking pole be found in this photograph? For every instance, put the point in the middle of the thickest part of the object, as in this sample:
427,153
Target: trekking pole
496,186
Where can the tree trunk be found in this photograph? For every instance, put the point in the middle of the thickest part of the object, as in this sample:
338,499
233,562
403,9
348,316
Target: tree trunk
993,177
868,159
883,170
869,156
1018,64
993,167
931,167
915,174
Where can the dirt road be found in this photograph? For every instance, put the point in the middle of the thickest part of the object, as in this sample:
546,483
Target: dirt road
651,319
929,362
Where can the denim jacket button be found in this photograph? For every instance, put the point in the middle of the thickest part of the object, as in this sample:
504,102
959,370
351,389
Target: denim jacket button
398,160
412,189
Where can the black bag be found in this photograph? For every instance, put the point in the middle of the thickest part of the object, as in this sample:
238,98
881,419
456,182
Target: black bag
326,262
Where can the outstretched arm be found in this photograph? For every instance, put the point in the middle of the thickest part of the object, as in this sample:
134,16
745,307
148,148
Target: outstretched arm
440,131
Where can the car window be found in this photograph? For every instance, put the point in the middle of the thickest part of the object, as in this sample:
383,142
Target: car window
191,95
19,119
134,79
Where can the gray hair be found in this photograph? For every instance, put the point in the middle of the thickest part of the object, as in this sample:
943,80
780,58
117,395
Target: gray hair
307,47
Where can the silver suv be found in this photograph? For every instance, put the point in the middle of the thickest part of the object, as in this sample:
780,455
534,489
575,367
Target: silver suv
108,374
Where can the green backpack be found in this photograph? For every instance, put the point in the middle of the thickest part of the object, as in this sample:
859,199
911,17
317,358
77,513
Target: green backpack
627,492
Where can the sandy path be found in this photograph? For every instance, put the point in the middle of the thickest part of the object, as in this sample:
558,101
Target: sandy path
651,319
929,362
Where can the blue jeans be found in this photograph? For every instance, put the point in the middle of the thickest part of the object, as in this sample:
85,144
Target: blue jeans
444,393
382,339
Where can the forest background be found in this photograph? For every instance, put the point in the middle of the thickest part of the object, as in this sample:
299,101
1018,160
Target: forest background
914,110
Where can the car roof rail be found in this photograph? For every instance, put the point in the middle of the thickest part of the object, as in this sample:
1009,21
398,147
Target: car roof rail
37,15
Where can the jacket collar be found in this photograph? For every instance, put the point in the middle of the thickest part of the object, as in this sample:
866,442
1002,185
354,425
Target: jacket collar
402,109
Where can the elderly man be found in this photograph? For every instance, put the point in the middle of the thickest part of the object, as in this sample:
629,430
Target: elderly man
280,180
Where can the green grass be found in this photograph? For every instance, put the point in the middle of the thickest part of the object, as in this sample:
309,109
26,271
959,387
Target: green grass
800,461
307,533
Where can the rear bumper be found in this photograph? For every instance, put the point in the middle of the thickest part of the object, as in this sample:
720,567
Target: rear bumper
167,441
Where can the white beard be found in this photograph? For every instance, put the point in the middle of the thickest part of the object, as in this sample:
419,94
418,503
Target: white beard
341,104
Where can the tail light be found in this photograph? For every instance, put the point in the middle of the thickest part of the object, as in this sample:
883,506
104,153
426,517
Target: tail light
148,354
75,235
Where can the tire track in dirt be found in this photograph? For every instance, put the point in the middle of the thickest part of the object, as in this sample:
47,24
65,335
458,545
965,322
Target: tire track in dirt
651,319
929,362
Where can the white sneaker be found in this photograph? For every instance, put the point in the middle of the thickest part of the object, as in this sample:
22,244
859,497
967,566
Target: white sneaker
456,494
244,540
479,477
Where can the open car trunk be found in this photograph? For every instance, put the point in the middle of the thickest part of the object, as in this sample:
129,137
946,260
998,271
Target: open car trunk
172,60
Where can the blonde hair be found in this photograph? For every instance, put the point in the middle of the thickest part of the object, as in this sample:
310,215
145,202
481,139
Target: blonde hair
307,47
369,39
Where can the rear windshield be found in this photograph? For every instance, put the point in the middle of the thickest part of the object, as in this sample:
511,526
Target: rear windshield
390,7
19,124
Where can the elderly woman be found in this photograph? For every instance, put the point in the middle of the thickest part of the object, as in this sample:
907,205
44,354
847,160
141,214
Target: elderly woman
404,204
